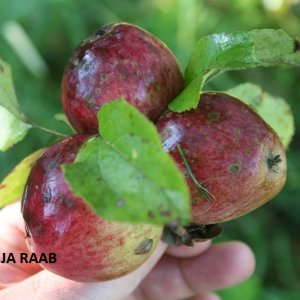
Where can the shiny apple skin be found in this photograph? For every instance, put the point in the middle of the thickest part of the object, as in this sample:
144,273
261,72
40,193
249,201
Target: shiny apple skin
119,60
229,149
87,247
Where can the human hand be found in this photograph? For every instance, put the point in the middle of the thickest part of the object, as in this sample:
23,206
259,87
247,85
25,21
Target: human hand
170,273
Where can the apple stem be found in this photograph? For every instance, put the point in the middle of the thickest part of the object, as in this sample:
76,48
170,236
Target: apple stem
26,120
48,130
211,74
202,190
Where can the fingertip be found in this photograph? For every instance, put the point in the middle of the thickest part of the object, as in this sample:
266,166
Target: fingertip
11,214
236,260
210,296
187,251
242,259
225,265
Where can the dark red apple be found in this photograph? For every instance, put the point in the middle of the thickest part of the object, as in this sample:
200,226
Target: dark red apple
87,247
233,161
118,60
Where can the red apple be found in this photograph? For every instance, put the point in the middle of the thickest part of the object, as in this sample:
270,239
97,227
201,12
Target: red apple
233,161
87,247
119,60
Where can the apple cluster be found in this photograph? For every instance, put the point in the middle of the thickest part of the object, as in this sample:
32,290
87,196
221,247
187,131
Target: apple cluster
233,161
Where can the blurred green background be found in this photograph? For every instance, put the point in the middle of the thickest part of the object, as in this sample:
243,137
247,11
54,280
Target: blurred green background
37,38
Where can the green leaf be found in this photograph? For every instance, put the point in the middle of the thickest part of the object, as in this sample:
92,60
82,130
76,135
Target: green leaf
8,97
274,110
63,119
125,175
12,186
234,51
12,129
12,121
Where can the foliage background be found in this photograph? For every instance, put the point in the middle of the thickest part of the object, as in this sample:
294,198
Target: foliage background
55,27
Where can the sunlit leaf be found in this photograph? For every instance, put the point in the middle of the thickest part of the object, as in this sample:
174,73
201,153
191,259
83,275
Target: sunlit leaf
234,51
12,186
12,121
12,129
8,97
274,110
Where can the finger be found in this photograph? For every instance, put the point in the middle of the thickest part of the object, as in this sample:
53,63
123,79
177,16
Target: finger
12,227
218,267
12,240
186,251
46,285
210,296
10,274
225,265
